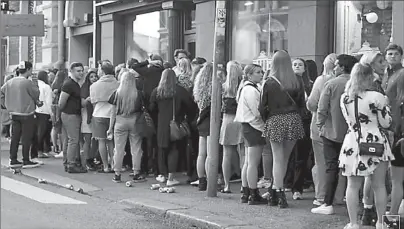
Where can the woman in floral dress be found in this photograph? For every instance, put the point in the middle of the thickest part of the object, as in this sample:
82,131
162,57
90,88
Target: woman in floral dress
366,125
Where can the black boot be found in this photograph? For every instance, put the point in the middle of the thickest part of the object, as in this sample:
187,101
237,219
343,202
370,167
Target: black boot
369,217
273,197
282,199
203,184
246,195
256,198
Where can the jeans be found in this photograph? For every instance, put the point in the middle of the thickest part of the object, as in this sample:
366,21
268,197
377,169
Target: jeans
125,127
22,129
331,151
319,169
42,121
71,127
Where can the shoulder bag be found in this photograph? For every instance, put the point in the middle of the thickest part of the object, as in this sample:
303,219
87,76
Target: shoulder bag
145,122
366,148
178,131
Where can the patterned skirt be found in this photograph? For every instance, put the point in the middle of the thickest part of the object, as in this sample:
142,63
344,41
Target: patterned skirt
284,127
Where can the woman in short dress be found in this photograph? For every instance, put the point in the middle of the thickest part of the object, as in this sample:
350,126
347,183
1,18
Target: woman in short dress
252,125
373,116
230,132
283,123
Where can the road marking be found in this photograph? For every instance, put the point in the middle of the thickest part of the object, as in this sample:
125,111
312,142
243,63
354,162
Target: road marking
34,193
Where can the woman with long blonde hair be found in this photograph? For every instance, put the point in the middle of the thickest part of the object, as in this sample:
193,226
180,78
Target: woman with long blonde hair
202,94
127,101
367,114
230,132
319,168
185,73
283,123
166,100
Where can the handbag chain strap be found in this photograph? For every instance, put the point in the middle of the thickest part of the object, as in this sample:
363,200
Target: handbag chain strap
356,104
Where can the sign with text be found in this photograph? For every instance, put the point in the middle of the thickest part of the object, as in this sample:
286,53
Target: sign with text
5,5
15,25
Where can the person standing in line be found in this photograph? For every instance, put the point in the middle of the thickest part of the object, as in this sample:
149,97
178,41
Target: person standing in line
392,83
332,127
20,96
100,92
178,55
319,169
70,103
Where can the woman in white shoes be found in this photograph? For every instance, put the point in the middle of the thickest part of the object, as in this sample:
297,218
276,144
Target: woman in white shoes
366,150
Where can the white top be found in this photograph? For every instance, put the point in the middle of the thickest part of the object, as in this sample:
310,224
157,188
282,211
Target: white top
102,110
46,96
247,108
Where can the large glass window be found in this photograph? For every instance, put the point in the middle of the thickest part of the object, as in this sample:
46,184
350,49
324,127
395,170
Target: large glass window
147,34
363,26
259,29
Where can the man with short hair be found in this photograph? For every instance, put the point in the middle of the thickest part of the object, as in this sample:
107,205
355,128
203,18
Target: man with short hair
100,92
70,103
20,96
333,127
178,55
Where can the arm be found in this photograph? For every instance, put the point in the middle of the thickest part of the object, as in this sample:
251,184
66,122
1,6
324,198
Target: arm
112,120
312,101
383,111
263,106
153,102
63,99
49,98
33,90
3,96
323,106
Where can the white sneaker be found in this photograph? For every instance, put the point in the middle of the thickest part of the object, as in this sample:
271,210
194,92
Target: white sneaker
297,196
37,161
323,209
288,189
161,179
60,155
51,154
351,226
195,183
264,183
318,202
173,182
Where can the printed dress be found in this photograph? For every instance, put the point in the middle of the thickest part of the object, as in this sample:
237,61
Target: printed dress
374,117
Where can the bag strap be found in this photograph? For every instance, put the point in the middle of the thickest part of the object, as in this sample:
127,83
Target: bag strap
284,90
174,100
356,102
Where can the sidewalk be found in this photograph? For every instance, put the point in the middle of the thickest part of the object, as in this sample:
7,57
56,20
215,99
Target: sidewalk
188,206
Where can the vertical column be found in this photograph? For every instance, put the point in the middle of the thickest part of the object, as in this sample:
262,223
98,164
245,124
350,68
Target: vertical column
112,39
96,34
24,41
175,33
308,32
205,28
398,18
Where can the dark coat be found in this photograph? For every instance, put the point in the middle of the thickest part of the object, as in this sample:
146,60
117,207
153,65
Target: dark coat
184,107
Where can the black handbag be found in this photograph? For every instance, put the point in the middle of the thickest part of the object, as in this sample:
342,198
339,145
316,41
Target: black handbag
145,122
366,148
178,131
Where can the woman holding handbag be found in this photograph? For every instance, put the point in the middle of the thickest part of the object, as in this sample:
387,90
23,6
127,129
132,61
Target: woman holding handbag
366,150
170,98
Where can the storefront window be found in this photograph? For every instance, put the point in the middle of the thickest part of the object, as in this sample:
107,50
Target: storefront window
259,29
146,35
363,25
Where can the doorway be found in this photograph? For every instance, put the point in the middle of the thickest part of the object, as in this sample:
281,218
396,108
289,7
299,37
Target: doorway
190,44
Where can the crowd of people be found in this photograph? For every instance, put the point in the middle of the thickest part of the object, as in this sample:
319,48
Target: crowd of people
286,129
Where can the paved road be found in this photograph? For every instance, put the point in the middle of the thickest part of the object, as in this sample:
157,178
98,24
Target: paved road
25,204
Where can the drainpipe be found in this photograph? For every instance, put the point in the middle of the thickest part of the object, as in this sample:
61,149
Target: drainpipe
61,35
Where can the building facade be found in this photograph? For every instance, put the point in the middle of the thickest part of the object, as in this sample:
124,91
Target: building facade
118,30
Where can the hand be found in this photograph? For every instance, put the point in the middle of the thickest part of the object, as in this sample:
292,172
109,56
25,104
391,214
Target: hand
39,103
88,99
110,133
400,141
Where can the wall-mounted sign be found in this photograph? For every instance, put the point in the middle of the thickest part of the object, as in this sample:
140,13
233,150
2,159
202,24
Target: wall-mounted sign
15,25
5,5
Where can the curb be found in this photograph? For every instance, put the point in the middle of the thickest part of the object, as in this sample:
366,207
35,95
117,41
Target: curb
181,215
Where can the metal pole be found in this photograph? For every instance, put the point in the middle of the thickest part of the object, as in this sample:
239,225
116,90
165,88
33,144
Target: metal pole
218,69
2,77
61,35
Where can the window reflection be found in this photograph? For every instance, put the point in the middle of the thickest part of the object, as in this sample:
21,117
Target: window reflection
260,27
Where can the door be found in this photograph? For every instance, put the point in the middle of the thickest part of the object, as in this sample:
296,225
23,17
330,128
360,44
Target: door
190,44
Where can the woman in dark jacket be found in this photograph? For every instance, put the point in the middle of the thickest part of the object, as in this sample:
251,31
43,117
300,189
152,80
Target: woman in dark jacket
162,101
283,124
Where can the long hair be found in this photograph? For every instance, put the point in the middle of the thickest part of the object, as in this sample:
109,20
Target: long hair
233,77
361,80
329,64
281,69
184,66
167,84
127,94
400,86
60,77
311,70
203,86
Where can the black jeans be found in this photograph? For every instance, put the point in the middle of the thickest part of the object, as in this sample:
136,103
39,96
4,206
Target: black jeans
22,129
331,151
168,159
42,121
